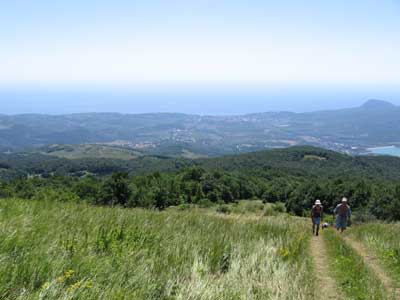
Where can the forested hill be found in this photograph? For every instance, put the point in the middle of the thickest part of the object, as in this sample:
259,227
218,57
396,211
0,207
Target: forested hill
302,161
309,161
295,176
352,130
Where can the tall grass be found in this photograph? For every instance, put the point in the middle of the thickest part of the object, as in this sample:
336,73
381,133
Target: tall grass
54,250
356,281
383,239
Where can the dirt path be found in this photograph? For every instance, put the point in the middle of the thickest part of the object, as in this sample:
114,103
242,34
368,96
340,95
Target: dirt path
326,284
373,262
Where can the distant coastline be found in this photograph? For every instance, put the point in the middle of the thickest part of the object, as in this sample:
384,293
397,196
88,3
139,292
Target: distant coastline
385,150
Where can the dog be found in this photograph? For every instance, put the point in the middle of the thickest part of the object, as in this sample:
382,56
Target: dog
325,225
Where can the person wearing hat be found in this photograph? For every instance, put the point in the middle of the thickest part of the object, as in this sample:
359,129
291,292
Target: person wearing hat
316,216
342,213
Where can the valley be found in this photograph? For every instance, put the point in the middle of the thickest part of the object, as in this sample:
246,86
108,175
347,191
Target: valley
352,131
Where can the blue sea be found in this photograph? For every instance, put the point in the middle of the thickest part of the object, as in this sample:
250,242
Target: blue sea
387,150
192,100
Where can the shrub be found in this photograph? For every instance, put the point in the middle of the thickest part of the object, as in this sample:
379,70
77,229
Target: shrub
269,210
205,203
362,216
253,206
279,207
51,194
184,206
223,209
273,209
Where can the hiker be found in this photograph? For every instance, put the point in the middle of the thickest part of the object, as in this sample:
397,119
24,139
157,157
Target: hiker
342,213
316,216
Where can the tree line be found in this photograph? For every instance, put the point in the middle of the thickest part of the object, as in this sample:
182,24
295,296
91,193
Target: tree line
196,185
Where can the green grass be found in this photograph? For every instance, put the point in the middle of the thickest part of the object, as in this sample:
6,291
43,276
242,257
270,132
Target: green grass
52,250
384,240
355,279
90,151
254,208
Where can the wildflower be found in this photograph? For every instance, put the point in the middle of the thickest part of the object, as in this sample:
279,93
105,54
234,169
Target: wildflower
61,279
69,274
75,286
89,284
284,252
45,285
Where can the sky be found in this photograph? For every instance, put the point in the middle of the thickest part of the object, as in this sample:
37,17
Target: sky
200,56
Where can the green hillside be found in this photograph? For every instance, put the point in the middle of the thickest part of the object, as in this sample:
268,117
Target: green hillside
163,228
302,161
90,151
307,161
294,176
352,130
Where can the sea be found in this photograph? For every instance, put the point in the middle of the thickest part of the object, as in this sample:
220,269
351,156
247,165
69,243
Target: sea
387,150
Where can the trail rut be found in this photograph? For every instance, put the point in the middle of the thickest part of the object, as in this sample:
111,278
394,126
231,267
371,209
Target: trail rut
326,284
372,261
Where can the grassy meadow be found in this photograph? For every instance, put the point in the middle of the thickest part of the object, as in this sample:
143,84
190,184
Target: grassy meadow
90,151
355,279
53,250
384,240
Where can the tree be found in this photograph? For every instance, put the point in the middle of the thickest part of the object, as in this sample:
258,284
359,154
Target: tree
395,205
226,195
88,188
194,174
382,201
303,197
361,195
116,190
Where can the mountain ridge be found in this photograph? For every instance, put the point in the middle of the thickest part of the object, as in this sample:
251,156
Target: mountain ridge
376,103
367,103
350,130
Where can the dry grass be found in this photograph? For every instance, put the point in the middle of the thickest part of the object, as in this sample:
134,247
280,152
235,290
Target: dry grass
73,251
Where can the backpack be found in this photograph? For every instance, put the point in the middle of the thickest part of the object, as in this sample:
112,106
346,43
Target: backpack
317,211
343,210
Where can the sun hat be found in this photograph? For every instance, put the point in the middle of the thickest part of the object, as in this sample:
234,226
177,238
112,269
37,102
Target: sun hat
318,202
344,199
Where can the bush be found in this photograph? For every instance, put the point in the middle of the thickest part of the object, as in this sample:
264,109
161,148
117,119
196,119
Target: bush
253,206
269,210
205,203
223,209
362,216
51,194
273,209
279,207
184,206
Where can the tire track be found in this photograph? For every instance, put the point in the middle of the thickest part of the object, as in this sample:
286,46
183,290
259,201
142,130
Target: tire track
326,284
373,262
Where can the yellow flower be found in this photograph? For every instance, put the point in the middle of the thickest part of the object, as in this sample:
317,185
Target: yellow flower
69,274
61,279
45,285
75,286
89,284
284,252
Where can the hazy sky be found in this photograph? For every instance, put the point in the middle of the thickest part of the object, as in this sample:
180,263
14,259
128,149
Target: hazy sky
151,45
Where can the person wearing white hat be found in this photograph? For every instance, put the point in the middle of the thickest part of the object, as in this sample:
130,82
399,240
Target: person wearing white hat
317,212
342,213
